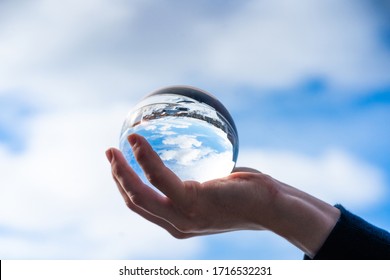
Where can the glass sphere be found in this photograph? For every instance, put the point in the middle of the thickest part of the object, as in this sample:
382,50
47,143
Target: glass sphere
191,131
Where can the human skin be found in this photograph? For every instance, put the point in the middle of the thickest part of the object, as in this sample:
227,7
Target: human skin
245,200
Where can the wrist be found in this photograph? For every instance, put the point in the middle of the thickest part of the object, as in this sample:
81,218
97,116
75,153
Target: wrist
302,219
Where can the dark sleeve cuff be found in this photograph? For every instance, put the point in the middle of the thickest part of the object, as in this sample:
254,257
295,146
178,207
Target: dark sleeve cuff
353,238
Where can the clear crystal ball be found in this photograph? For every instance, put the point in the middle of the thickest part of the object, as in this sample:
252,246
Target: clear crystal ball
191,131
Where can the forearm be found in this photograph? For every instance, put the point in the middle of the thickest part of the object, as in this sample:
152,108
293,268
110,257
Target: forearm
302,219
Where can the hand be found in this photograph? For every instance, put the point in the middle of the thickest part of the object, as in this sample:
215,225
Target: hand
242,200
190,208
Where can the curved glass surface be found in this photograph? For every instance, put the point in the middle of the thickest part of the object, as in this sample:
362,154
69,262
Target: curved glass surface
190,130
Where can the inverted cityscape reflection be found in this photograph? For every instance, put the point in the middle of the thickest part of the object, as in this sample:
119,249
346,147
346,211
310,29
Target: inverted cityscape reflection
193,139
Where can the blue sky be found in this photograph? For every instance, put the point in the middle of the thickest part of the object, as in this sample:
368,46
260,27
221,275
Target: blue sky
307,82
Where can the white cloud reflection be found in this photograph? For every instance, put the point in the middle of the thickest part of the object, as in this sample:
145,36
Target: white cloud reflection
183,141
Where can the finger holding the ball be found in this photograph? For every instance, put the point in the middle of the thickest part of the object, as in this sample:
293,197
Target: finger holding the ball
154,169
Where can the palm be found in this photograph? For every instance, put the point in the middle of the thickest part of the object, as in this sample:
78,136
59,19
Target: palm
187,208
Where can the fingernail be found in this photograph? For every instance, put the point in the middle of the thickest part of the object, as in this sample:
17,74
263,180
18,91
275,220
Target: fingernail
109,155
132,139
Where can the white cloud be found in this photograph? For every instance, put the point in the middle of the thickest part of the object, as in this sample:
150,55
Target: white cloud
96,51
81,58
64,54
280,43
185,156
58,199
151,127
334,176
178,123
199,164
214,165
183,141
195,161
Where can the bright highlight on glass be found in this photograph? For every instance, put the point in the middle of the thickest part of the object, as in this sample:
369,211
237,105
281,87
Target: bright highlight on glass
191,131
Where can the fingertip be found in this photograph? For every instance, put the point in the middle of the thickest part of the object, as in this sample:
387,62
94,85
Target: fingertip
133,139
245,169
109,155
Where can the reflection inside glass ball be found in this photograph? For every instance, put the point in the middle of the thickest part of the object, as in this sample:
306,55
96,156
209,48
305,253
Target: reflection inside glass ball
191,138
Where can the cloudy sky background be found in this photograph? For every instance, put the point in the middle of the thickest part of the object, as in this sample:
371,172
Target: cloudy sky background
307,82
